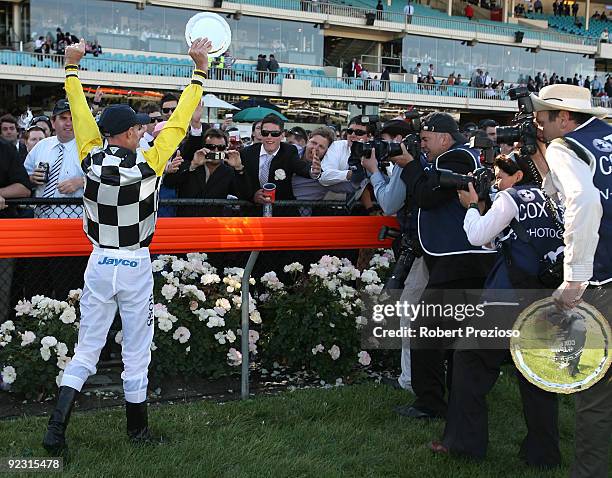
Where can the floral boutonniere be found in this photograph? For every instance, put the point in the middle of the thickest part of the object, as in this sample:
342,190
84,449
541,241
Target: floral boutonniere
279,175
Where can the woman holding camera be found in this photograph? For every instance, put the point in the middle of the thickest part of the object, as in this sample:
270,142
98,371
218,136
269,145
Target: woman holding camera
521,224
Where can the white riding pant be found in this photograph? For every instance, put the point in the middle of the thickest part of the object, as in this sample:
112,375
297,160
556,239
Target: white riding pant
123,279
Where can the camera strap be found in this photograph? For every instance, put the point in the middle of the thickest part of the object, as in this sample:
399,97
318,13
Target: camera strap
572,146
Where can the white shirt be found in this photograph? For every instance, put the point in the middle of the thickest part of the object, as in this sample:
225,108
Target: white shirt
46,151
481,230
262,152
570,181
335,163
408,10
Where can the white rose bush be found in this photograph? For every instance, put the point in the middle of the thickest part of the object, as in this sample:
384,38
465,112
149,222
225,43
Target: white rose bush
312,322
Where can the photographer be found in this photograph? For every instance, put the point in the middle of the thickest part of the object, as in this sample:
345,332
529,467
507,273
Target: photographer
453,263
577,168
390,193
524,231
213,173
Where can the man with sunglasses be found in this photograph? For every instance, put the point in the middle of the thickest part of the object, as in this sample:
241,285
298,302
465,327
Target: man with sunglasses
153,111
335,163
205,176
168,104
274,161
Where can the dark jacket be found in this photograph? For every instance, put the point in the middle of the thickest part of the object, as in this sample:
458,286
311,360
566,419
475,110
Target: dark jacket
273,65
262,64
286,159
11,172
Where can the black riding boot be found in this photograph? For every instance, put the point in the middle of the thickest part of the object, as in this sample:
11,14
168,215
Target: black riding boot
55,438
137,422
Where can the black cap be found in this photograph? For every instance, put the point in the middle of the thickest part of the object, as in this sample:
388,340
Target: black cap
442,123
298,131
395,127
116,119
60,107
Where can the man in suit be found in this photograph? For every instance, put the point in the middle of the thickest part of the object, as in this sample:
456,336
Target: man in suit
273,161
10,133
203,177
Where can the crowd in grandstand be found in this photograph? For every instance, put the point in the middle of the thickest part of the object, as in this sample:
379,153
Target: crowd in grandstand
48,45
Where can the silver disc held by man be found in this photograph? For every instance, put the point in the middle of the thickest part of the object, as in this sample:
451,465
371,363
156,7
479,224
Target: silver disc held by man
562,351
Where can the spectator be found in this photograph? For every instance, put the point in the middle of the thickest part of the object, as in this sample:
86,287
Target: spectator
273,68
487,79
290,75
10,133
154,112
205,178
274,161
351,68
375,84
384,78
469,11
379,10
14,183
418,72
168,104
229,59
575,9
297,137
65,178
458,80
604,36
59,36
430,71
308,189
603,17
566,9
595,15
555,7
580,81
43,122
537,6
262,66
587,83
38,44
335,163
575,80
409,11
608,87
596,86
256,132
489,127
32,136
358,69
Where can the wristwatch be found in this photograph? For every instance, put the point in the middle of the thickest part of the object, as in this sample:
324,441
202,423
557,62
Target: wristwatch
474,205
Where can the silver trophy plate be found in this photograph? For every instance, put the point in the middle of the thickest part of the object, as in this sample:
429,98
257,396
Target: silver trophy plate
212,26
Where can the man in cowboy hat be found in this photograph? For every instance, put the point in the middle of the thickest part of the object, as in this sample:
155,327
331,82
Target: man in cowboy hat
578,168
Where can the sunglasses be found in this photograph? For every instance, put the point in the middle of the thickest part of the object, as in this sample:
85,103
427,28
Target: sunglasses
215,147
40,118
156,119
274,134
168,110
357,132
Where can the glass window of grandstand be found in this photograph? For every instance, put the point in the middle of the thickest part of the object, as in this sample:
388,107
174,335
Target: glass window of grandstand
120,25
507,63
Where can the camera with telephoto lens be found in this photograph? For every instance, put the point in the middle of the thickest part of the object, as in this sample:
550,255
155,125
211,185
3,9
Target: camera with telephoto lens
523,129
481,178
384,150
215,156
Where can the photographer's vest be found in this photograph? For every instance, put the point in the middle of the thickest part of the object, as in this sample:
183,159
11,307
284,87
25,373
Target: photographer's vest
441,228
596,137
525,245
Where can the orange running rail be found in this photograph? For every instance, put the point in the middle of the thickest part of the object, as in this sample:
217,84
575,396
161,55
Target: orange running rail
65,237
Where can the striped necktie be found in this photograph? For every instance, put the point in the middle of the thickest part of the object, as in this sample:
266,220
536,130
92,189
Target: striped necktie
264,171
54,173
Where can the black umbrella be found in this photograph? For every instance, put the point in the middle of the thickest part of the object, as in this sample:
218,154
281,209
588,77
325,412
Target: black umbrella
254,102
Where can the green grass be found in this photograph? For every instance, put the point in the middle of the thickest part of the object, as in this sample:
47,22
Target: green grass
340,432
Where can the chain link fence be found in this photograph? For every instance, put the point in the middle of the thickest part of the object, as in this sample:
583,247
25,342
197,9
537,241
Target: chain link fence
54,277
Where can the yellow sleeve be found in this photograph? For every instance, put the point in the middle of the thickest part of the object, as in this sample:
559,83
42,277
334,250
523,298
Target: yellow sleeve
85,128
176,128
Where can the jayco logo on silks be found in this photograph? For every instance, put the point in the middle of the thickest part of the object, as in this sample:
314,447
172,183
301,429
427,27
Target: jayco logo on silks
117,262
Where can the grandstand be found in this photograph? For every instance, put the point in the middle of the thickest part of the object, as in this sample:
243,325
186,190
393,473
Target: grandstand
143,44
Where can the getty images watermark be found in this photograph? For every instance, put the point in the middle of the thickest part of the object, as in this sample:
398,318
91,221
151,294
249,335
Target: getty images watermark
474,319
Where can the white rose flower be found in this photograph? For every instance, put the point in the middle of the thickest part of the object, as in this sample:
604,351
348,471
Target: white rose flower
7,326
181,334
36,300
294,267
220,337
256,317
272,282
223,303
280,175
364,358
334,352
62,362
27,338
9,375
318,349
234,358
75,294
45,353
207,279
215,321
188,349
373,289
153,347
62,349
23,307
231,336
68,316
164,324
48,341
119,337
168,291
360,320
157,265
253,336
58,379
178,265
369,276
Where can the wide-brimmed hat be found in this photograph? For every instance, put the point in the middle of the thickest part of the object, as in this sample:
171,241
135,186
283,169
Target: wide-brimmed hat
567,98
